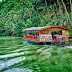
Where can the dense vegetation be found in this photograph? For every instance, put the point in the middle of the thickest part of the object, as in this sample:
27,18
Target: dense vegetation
19,14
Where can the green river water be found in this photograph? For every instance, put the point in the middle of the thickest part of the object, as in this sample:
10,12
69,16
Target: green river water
37,58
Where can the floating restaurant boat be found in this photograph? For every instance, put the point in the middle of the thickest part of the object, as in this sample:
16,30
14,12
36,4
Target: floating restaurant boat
45,34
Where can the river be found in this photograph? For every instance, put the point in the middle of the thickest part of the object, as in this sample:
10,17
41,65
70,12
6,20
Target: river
15,56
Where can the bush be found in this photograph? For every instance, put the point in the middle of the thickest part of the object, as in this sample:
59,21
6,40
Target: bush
70,32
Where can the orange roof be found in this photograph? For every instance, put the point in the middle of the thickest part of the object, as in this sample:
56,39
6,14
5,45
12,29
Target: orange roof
42,28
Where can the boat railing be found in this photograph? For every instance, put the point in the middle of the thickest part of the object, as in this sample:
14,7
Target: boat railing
33,37
40,38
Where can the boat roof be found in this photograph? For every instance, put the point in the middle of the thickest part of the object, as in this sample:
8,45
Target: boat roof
61,36
42,28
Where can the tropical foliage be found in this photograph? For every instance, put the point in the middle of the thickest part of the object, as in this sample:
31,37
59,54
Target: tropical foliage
19,14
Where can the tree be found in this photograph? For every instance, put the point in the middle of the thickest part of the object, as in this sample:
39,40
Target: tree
19,28
19,14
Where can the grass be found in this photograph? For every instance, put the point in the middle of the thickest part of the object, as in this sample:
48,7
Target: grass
59,61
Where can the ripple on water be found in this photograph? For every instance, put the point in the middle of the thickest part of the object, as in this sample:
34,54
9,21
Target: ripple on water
18,70
11,55
11,62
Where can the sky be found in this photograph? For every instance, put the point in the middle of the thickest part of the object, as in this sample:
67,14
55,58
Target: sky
0,0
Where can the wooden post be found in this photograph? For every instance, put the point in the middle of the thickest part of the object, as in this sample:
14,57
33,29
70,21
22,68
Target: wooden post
69,40
44,42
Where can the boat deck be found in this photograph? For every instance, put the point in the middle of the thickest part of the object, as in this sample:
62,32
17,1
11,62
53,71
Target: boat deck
36,40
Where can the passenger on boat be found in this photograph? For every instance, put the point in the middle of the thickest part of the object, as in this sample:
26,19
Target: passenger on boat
61,42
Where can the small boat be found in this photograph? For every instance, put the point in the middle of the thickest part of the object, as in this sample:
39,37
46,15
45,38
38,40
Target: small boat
44,35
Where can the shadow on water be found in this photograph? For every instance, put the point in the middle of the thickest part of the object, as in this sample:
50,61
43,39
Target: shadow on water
36,43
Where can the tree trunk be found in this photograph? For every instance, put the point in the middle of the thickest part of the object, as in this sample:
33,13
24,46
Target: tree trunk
66,12
71,10
29,13
47,10
60,7
39,17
